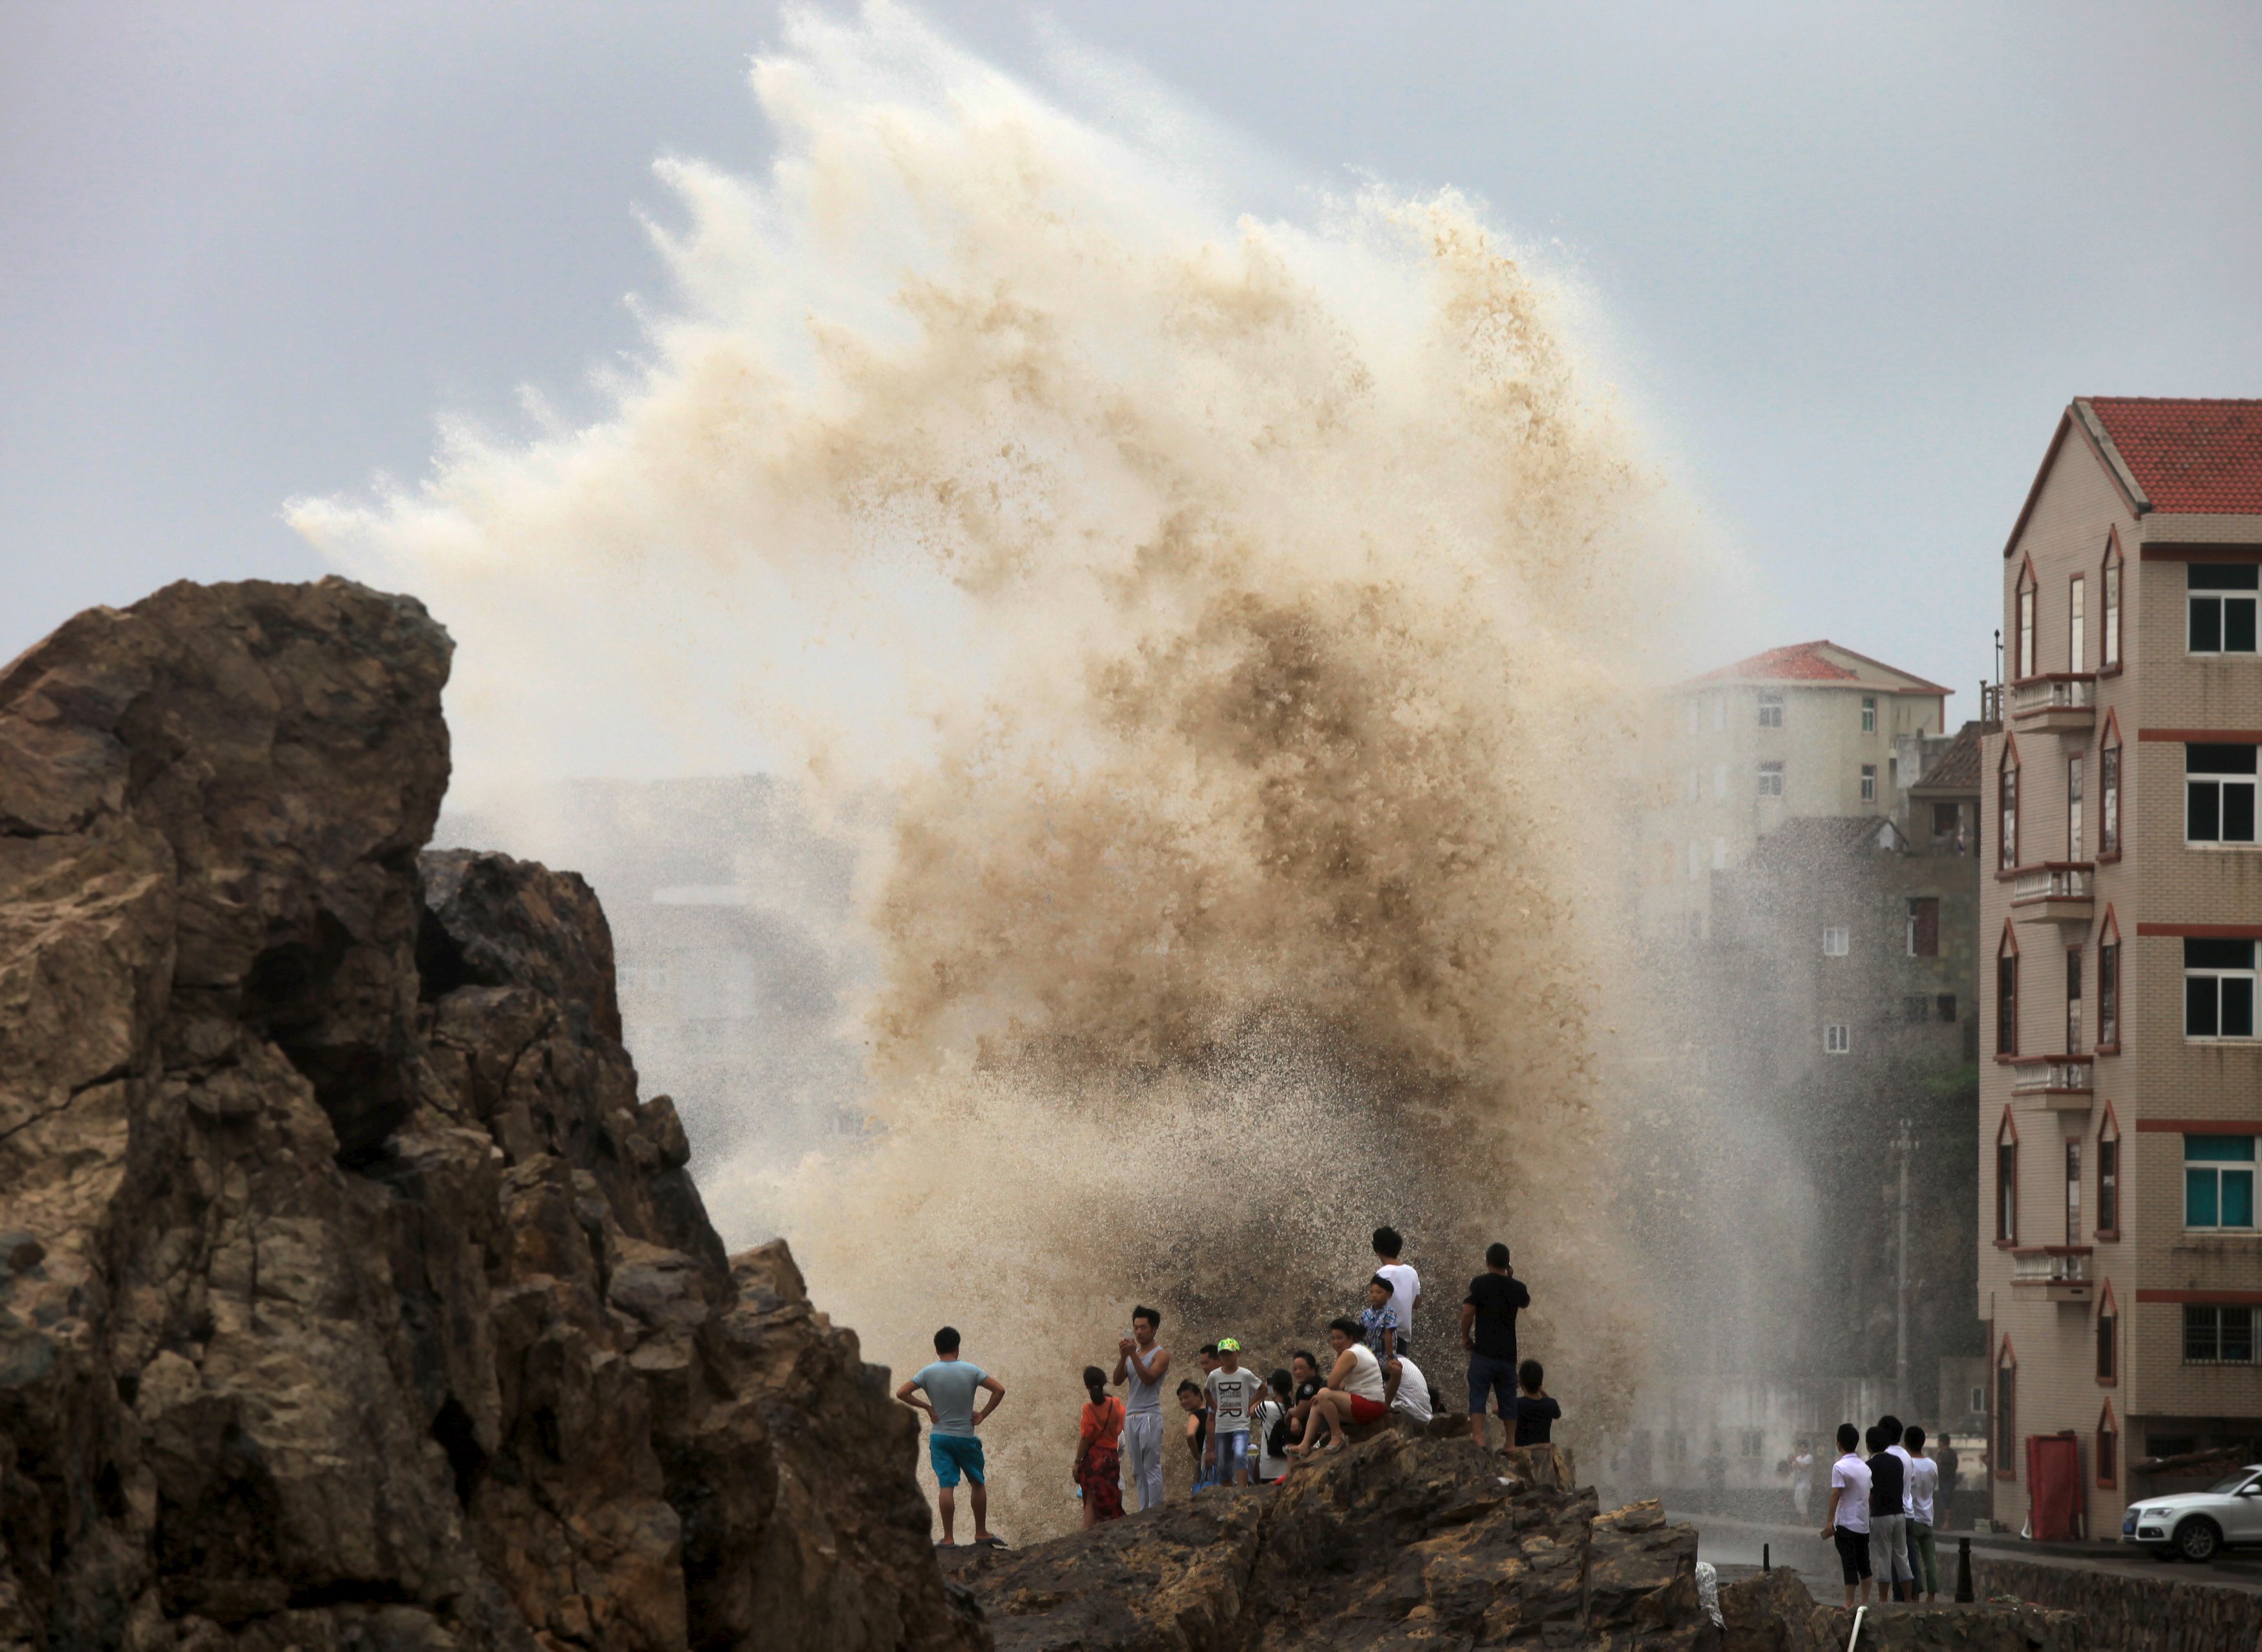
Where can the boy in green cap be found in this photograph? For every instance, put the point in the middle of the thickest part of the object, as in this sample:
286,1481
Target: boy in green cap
1233,1395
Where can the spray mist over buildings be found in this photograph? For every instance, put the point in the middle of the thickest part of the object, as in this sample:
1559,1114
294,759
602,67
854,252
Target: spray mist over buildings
1217,646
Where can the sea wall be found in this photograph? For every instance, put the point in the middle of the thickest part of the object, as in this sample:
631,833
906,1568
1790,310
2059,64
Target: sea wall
2134,1614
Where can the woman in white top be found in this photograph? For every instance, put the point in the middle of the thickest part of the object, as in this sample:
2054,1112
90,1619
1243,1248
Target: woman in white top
1355,1390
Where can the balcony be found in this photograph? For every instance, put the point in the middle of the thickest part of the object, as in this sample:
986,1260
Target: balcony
2062,1083
2054,891
2054,1273
2058,702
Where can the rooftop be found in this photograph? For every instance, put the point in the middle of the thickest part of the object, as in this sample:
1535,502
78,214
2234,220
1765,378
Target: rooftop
2187,455
1822,662
1957,768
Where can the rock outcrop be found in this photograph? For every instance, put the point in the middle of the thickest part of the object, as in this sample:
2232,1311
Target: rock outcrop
350,1297
1406,1542
1397,1542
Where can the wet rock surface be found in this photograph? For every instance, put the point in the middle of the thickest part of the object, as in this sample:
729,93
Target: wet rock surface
1773,1613
349,1297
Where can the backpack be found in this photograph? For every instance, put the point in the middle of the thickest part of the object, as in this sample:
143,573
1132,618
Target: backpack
1276,1443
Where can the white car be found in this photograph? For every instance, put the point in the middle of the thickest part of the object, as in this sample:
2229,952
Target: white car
2198,1524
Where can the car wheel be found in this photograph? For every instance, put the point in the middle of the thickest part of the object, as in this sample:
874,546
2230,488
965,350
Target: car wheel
2198,1538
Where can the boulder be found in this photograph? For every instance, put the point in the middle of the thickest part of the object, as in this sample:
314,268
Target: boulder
349,1294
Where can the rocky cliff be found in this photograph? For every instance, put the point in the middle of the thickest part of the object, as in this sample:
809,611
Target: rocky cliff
350,1297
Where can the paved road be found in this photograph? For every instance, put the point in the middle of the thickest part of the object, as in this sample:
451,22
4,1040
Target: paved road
1737,1543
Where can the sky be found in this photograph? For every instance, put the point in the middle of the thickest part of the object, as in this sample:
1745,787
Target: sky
1850,261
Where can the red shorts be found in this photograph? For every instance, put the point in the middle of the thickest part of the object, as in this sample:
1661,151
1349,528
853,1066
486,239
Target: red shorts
1366,1411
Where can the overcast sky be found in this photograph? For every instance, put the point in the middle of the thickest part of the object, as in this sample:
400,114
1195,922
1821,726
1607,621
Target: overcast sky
1854,259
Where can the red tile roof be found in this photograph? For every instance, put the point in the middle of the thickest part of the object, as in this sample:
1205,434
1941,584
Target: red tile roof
2188,455
1805,663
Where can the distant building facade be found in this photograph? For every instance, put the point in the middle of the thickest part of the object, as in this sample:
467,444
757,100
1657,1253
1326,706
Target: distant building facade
1810,730
2121,1267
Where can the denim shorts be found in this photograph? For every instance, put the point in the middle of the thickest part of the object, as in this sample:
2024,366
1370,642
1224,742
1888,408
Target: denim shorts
1232,1454
948,1453
1488,1376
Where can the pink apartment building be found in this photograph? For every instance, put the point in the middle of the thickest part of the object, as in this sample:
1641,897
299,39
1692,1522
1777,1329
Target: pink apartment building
2120,1112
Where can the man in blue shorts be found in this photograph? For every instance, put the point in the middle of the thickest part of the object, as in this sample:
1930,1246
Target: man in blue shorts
952,1447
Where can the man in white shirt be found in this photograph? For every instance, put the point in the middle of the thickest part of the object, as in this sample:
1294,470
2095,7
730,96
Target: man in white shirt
1409,1390
1845,1522
1405,1283
1923,1486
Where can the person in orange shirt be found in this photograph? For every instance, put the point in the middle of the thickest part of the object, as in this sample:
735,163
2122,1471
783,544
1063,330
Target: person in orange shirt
1099,1451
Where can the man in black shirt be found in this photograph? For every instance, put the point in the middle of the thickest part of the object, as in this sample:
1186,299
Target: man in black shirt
1488,1332
1888,1529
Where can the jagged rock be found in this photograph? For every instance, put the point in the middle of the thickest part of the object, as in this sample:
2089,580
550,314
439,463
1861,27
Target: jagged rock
350,1297
1399,1542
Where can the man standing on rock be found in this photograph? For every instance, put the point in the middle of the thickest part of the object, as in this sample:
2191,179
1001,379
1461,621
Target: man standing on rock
1845,1522
1143,1366
1405,1285
953,1448
1488,1332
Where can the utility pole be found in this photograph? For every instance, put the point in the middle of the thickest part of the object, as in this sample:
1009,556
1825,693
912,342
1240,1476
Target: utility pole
1904,1145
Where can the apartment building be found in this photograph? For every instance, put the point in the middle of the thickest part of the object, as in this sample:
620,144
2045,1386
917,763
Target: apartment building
2121,1104
1812,730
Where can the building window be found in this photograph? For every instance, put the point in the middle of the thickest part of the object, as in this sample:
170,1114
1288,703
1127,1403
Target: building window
2073,777
1945,1005
2221,602
2112,651
2108,995
2025,662
1771,709
1837,1039
2108,1351
1719,855
1868,714
2073,1192
1696,861
2008,793
1947,820
1693,709
2109,800
1720,781
2005,1453
2006,1182
1771,780
1835,940
1869,783
2219,1183
2007,996
2108,1449
1721,713
2076,641
2219,794
2072,1005
2108,1179
2218,988
1924,926
2218,1335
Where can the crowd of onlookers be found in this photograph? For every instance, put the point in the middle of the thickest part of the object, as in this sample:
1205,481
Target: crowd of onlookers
1881,1513
1241,1427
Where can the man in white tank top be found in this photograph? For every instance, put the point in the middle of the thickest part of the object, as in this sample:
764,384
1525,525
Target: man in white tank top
1356,1391
1143,1366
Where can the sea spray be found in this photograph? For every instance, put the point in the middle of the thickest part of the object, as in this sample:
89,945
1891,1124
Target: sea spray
1244,623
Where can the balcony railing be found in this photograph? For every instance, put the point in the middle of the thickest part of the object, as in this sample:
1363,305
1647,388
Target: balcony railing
2051,1264
2054,880
2058,691
2062,1075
